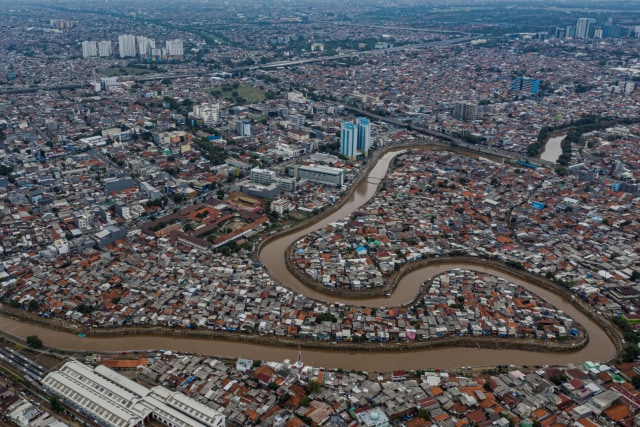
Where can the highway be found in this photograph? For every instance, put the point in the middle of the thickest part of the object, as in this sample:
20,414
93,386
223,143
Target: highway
481,149
276,64
415,46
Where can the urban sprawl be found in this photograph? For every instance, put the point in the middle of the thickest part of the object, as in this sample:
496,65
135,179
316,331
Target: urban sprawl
152,155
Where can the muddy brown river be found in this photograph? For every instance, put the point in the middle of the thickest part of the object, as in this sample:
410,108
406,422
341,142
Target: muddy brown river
600,347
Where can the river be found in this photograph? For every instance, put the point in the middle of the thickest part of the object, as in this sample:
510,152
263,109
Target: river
553,148
600,347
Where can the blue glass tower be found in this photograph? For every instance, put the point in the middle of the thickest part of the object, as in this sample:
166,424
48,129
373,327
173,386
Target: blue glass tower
348,141
363,135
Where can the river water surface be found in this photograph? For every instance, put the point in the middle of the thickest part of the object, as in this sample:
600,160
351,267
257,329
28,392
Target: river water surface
553,148
600,347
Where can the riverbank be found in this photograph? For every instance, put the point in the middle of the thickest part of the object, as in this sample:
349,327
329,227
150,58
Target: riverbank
486,342
405,354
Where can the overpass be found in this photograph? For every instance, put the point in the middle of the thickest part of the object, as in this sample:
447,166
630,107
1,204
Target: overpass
415,46
452,140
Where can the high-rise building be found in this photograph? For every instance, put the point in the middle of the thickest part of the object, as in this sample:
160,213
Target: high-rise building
348,140
145,45
104,48
262,176
582,27
465,111
174,47
363,135
89,49
127,45
570,32
208,113
526,84
611,31
243,128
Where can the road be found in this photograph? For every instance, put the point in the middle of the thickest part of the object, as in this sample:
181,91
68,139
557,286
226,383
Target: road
510,155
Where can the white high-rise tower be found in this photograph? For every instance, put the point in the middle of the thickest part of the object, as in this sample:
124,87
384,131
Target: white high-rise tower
127,45
174,47
104,48
89,49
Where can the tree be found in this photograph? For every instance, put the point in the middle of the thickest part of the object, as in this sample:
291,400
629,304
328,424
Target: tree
33,305
313,386
424,414
56,404
635,380
325,317
284,398
562,171
34,341
630,353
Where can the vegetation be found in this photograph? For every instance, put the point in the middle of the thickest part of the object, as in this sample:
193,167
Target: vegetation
129,70
575,130
214,153
5,170
325,317
558,379
55,403
313,387
85,308
34,341
239,94
631,352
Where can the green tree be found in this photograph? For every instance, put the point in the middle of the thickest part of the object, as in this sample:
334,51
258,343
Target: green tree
630,353
34,341
313,386
55,402
284,398
424,414
562,171
325,317
34,305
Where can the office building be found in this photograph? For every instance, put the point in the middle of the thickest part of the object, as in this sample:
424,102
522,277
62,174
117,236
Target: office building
363,135
208,113
107,82
348,140
174,47
570,31
127,45
612,31
465,111
526,84
325,175
280,206
89,49
104,48
262,176
243,128
111,399
145,45
582,27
